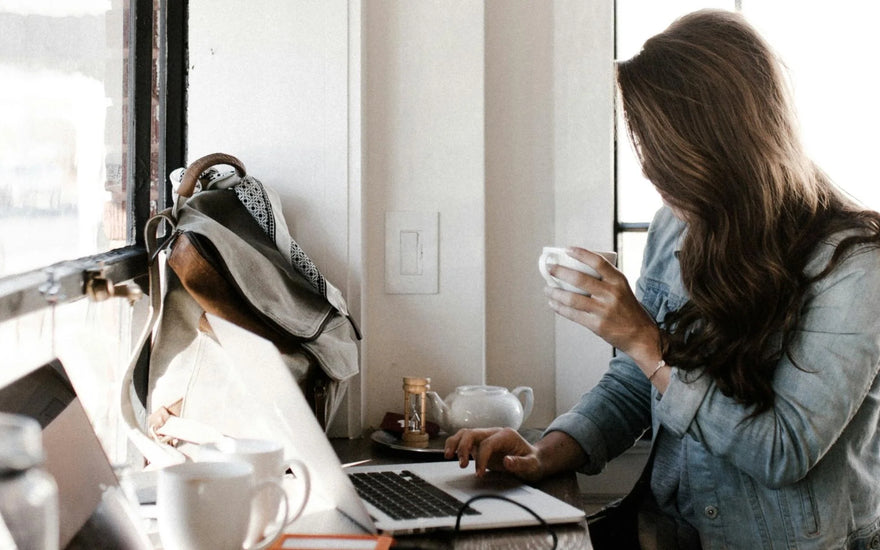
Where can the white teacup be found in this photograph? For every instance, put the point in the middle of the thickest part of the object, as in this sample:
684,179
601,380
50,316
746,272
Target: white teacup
267,459
207,505
557,255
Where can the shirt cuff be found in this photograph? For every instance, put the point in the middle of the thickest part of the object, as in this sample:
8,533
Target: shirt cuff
588,436
679,404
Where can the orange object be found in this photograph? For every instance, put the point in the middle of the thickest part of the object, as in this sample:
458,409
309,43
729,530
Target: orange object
333,542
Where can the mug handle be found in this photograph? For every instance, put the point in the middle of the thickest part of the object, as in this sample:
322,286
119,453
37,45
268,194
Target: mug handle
301,473
528,399
276,486
542,266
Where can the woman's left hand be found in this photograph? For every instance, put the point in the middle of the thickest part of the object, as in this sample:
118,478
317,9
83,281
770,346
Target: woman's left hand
611,310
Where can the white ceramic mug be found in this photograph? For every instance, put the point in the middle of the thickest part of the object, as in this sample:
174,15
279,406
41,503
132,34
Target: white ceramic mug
267,458
207,505
557,255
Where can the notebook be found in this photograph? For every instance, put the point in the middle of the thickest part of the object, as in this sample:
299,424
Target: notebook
333,488
93,510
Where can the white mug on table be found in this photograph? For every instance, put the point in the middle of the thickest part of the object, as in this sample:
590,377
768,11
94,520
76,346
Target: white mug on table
558,255
267,459
207,505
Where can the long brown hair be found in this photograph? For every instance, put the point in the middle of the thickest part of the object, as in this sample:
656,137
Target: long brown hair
708,112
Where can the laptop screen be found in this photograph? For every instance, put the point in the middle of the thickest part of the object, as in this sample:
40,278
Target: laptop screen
90,501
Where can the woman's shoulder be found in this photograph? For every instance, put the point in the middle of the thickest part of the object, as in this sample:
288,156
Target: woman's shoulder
665,233
857,257
660,261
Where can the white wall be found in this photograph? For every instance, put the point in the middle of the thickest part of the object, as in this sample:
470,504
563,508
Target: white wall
269,82
519,197
423,150
495,114
584,176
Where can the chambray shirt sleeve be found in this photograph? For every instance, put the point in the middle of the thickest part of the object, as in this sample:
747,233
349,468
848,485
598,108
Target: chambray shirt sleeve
609,418
819,386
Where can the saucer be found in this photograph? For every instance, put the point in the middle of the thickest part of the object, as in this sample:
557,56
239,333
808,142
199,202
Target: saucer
392,441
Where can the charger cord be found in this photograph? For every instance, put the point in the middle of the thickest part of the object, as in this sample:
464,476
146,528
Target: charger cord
541,520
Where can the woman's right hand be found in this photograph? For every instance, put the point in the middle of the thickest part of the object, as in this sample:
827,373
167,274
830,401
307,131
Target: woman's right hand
501,449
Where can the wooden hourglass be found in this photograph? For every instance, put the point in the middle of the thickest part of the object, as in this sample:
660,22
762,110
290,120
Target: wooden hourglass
414,419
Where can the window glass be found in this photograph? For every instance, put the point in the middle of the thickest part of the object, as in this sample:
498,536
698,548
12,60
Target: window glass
630,249
62,140
830,55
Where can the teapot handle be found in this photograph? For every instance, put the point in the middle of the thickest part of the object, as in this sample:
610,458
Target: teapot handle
528,399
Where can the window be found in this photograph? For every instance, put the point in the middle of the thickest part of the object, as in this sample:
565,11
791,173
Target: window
61,159
833,91
86,131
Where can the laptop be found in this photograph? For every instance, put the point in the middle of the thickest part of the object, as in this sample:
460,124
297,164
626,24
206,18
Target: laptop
333,487
94,511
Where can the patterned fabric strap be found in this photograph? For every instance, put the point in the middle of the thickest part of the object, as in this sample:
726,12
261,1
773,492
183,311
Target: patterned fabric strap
253,196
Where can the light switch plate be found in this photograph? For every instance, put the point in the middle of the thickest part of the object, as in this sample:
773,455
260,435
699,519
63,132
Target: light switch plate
412,252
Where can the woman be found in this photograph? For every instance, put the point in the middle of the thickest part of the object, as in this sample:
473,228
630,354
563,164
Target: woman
752,345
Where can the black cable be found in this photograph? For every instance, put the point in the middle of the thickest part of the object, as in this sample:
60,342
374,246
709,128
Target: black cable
543,523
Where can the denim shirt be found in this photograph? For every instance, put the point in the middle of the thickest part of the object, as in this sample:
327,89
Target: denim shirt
804,474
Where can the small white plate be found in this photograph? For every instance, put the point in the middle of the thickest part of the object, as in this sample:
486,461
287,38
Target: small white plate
390,440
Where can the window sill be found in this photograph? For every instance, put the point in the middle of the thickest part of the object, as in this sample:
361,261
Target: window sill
66,281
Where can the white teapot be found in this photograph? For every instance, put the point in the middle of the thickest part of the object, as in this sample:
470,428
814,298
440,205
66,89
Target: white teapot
481,407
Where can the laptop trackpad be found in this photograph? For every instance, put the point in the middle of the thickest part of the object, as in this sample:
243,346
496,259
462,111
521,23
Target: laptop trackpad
492,482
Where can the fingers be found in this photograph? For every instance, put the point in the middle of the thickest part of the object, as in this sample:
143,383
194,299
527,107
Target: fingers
463,444
598,262
605,276
492,449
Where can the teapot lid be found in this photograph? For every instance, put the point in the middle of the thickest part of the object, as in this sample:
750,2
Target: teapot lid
477,388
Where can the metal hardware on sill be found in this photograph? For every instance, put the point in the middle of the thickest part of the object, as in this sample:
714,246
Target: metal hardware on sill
35,290
51,288
98,287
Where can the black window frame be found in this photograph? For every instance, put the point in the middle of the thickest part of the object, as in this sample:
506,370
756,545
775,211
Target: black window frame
67,281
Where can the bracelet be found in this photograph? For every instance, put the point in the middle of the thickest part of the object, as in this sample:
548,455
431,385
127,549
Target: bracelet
654,372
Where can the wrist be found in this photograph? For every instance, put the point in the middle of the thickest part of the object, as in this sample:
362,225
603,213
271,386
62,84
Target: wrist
646,351
558,451
660,365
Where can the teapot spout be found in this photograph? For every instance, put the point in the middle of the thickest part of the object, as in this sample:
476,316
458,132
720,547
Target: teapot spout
439,411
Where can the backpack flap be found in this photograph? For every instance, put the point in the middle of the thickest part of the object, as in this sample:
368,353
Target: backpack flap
241,254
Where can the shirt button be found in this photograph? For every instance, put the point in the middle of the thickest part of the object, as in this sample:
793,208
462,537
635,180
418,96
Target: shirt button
711,512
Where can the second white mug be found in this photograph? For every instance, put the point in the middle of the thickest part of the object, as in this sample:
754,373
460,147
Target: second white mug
267,459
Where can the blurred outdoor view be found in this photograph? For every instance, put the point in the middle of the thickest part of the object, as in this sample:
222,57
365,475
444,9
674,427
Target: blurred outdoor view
62,102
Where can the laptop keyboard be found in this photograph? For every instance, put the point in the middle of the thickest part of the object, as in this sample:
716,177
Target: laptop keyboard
405,495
